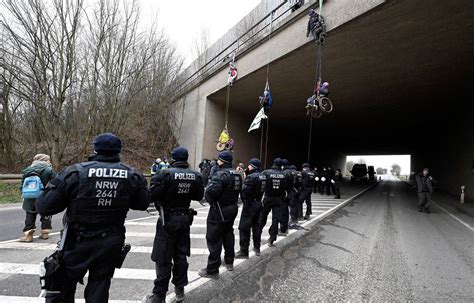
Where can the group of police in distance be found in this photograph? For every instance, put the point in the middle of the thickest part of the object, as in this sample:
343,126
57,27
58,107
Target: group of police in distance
98,194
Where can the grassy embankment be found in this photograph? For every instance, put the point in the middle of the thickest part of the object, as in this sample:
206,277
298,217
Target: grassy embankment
9,193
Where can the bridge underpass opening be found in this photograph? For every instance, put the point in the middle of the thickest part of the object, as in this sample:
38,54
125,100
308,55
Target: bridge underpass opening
383,164
396,88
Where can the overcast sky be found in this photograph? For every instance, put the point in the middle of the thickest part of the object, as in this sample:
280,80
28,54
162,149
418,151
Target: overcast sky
183,20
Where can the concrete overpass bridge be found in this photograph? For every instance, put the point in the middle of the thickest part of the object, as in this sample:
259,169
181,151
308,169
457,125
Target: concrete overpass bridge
401,75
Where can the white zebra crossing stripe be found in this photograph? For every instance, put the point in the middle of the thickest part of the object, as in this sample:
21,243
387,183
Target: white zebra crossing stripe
18,299
145,228
52,247
120,273
196,225
192,235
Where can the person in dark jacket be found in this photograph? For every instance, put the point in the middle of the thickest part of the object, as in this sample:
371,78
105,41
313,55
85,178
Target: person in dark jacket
40,167
424,186
155,167
292,192
322,181
222,193
316,179
212,171
97,196
172,191
337,181
329,184
316,27
412,180
205,167
294,202
252,192
276,191
306,190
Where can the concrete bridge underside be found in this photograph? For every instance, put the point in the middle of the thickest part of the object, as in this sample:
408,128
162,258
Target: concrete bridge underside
401,83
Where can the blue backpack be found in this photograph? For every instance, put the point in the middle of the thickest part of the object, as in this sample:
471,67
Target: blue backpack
32,187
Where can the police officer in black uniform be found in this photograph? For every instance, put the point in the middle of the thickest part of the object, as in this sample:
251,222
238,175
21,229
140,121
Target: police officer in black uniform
320,175
172,191
307,189
330,183
316,179
97,195
285,210
276,190
252,192
222,193
324,182
337,183
294,205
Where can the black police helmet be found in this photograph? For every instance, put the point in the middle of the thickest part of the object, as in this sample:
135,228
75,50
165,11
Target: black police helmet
278,162
180,154
107,144
285,162
305,165
255,163
225,156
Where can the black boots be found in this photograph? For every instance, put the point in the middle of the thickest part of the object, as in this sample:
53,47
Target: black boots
241,255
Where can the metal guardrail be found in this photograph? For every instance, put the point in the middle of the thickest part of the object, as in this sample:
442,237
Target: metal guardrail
219,60
10,177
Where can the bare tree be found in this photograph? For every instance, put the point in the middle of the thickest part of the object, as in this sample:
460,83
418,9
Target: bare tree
248,29
68,72
349,165
200,50
45,39
396,170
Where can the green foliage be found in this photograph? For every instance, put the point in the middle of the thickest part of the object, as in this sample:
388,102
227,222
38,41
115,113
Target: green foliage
9,193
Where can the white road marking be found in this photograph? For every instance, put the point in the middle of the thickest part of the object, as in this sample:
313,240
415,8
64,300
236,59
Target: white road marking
454,217
324,205
192,235
10,208
52,247
120,273
18,299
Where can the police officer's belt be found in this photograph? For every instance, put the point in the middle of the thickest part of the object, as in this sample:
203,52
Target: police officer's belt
80,234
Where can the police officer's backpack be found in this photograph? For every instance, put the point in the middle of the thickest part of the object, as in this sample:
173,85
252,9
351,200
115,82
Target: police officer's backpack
31,188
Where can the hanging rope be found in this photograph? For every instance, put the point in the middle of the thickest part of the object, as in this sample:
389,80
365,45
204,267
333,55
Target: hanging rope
227,105
269,37
319,70
261,138
317,80
262,154
266,140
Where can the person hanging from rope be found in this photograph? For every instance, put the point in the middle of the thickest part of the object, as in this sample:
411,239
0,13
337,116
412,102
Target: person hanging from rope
324,89
225,141
320,91
316,27
311,102
266,101
232,73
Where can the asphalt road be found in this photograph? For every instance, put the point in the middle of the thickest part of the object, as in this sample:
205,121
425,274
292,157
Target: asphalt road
378,248
19,261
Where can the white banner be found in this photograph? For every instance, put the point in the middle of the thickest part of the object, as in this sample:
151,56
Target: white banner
258,118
